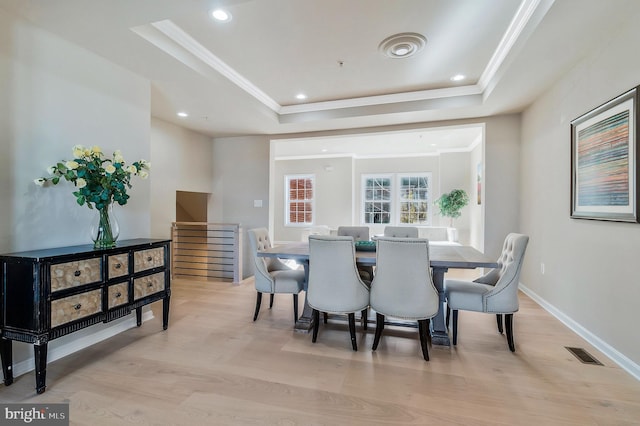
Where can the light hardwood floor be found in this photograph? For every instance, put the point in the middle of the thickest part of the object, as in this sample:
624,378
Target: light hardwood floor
215,366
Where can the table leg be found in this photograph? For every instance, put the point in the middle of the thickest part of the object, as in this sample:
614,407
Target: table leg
40,353
139,316
7,360
439,334
165,312
305,321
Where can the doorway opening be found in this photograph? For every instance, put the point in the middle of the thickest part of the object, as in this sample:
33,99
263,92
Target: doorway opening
191,206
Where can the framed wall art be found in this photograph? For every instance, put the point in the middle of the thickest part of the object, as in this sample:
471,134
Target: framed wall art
604,158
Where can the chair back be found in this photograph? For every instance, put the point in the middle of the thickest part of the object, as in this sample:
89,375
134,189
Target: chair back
259,241
504,296
359,233
402,286
401,231
334,284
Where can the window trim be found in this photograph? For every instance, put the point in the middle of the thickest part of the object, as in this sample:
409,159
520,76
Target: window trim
287,213
395,197
363,190
428,176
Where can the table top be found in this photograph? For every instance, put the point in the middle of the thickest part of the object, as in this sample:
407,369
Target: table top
461,257
44,254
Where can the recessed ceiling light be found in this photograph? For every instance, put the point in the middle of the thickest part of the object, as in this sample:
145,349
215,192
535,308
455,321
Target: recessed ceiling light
324,150
301,96
182,114
221,15
458,77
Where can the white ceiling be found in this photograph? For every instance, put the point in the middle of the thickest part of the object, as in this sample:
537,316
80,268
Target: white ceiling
240,77
407,143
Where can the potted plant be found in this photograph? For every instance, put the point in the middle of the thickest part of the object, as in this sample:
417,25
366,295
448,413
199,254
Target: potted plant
451,203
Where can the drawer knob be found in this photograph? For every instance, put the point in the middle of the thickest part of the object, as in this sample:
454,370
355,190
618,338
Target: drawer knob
149,259
77,306
118,294
150,285
118,265
77,273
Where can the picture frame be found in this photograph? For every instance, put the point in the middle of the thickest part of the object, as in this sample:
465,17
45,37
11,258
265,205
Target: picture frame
604,159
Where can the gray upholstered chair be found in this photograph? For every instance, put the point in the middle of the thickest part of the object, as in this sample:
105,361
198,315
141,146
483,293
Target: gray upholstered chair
271,275
495,292
334,284
401,231
403,287
359,233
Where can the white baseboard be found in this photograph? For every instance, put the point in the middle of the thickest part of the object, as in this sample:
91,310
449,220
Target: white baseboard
625,363
75,345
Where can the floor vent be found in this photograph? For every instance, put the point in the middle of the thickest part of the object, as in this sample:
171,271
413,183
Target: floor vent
584,356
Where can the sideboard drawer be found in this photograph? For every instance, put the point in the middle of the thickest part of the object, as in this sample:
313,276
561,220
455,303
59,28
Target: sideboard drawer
148,285
76,273
118,294
75,307
118,265
148,259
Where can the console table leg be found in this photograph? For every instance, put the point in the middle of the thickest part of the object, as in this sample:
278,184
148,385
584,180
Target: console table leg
40,352
165,313
139,316
6,354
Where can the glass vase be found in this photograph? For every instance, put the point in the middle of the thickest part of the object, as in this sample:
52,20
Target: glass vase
104,228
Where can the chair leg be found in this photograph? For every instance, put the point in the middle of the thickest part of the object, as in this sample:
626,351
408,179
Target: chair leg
446,319
258,301
352,330
508,322
295,308
379,328
271,300
365,314
455,327
316,325
325,317
499,319
423,327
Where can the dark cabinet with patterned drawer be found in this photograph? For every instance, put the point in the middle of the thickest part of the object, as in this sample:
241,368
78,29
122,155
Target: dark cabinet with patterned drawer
49,293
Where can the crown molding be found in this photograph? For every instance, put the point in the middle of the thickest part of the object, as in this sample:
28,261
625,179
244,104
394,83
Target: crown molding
176,38
179,36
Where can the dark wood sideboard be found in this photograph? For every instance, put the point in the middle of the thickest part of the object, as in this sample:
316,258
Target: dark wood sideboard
46,294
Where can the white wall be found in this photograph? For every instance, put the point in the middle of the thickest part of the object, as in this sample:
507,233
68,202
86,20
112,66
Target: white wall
180,161
241,175
591,267
333,195
454,174
53,96
502,181
339,190
476,206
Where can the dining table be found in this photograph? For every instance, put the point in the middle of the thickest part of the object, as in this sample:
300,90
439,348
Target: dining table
441,258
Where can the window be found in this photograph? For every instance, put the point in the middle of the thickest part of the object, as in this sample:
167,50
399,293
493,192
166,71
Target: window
414,199
377,199
299,199
397,199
